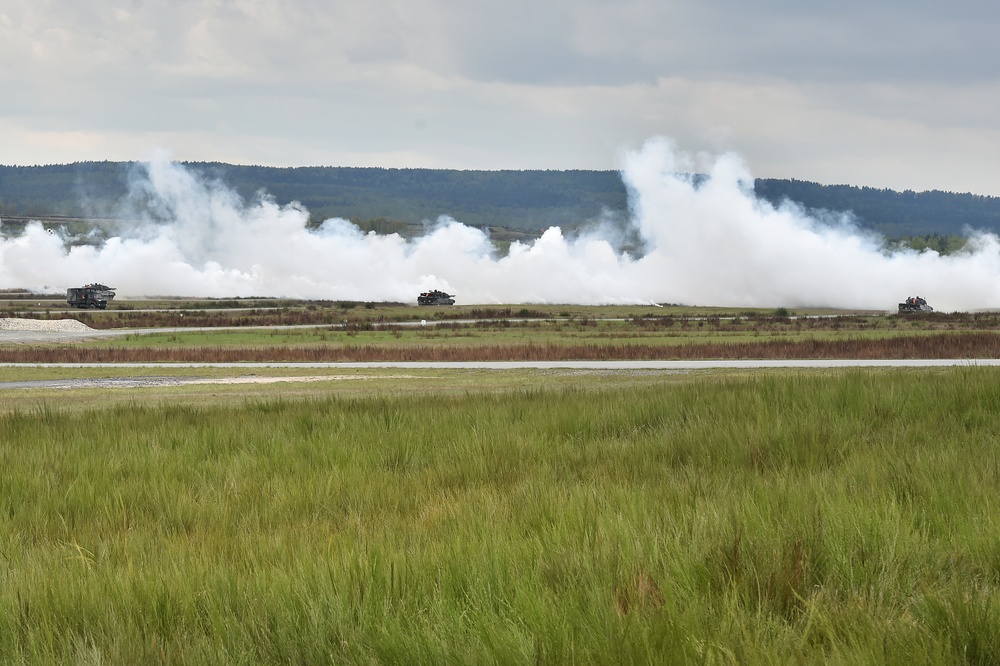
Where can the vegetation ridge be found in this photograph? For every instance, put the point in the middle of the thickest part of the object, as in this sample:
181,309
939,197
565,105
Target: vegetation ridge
531,200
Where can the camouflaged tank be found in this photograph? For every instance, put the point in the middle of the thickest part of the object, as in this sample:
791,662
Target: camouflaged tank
435,297
90,296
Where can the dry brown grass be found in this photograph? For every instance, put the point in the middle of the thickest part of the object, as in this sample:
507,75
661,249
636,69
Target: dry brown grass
641,593
944,345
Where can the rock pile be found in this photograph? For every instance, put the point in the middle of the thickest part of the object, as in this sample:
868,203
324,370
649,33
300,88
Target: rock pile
67,325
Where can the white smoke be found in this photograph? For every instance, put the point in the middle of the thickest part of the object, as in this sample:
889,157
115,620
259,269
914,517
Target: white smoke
706,241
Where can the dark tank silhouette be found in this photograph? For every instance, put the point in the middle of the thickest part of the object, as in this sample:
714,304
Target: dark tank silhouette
914,304
435,297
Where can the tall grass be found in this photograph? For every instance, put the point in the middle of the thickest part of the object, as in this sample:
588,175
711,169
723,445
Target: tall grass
939,345
849,518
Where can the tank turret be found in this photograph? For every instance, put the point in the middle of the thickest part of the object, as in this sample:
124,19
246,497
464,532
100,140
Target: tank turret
435,297
914,304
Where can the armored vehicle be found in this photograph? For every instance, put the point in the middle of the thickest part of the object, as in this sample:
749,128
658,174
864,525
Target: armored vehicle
435,297
90,296
914,304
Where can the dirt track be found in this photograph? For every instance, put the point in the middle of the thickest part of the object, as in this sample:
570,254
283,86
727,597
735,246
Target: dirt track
142,382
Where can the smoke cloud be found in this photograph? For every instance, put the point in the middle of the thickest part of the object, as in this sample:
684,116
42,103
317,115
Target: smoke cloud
706,240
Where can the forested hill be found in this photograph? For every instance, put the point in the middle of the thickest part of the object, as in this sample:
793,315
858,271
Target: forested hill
515,199
894,214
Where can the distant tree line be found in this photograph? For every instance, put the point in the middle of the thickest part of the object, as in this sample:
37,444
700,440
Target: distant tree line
936,242
893,214
387,199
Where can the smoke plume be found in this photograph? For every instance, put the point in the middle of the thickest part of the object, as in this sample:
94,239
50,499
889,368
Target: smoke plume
705,240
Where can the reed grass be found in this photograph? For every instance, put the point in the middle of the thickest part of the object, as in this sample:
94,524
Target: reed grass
843,518
938,345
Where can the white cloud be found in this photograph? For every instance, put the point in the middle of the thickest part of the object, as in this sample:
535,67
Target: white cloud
710,243
832,93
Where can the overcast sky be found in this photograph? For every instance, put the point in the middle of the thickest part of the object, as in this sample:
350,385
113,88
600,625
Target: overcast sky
881,93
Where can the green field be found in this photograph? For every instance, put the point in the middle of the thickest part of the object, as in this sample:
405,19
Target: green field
526,516
834,517
123,312
314,384
318,331
563,332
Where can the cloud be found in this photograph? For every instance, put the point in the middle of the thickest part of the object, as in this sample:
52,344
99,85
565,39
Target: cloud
523,84
707,241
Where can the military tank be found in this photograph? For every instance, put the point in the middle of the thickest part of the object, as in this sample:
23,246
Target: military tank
90,296
435,297
914,304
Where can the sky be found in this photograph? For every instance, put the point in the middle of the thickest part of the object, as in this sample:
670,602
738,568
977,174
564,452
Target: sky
887,93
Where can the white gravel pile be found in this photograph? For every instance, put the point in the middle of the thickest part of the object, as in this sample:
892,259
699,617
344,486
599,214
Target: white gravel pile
68,325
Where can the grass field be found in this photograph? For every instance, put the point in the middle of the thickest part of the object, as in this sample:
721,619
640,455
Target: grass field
845,517
315,384
323,332
260,311
445,516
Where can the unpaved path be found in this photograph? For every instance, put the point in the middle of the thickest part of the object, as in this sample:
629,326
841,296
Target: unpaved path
143,382
708,364
64,330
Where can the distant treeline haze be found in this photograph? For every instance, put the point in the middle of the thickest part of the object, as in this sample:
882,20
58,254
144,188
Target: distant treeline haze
394,200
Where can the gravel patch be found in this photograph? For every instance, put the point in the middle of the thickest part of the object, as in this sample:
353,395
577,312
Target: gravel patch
56,325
